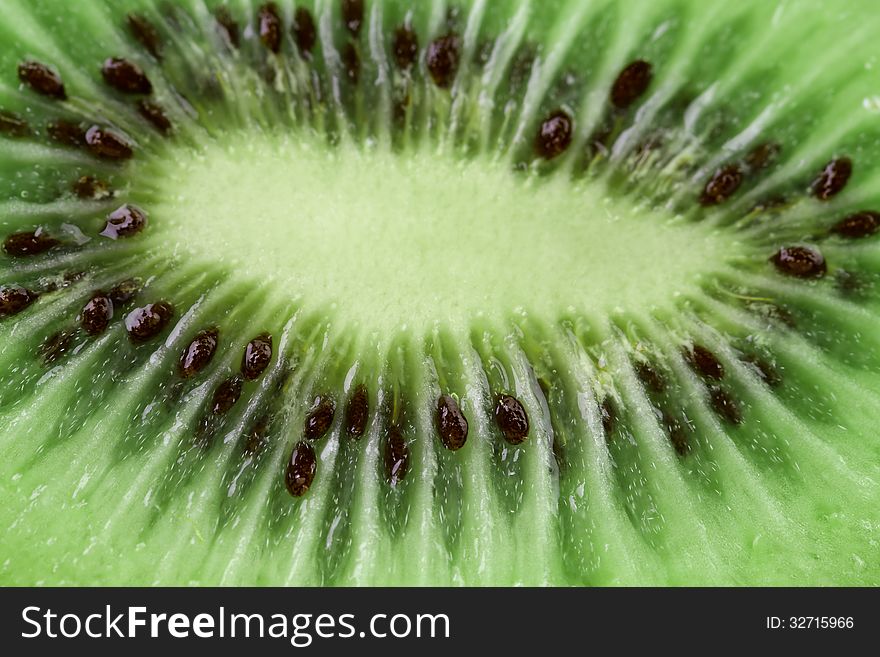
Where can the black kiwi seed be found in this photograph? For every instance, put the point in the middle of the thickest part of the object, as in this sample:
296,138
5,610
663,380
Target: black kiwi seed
631,83
198,354
762,155
14,299
451,423
351,62
319,419
12,125
860,224
721,185
146,322
269,21
511,418
650,377
42,79
154,113
108,144
442,58
125,291
725,405
677,435
256,356
554,135
226,395
800,261
89,187
124,221
126,76
227,25
396,455
146,34
96,314
608,415
67,133
304,34
353,15
301,469
406,47
704,362
55,346
356,413
29,243
832,179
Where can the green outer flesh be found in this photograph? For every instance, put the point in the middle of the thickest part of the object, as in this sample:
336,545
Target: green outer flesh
100,484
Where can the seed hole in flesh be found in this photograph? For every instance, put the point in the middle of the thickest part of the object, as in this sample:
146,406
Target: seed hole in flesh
356,413
631,83
256,440
155,115
725,406
304,34
108,144
257,355
146,34
800,261
832,179
850,284
396,455
125,291
227,25
353,15
406,47
14,299
762,155
89,187
608,416
96,314
301,469
677,435
269,22
66,133
554,135
722,185
451,423
145,323
226,395
42,79
860,224
704,362
650,377
125,221
12,125
125,76
511,418
29,243
442,58
765,371
320,418
198,354
55,346
351,63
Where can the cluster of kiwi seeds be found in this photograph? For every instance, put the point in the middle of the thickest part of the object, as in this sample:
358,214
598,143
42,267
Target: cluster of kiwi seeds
218,436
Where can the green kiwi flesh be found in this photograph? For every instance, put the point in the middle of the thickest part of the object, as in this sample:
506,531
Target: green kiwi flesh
347,293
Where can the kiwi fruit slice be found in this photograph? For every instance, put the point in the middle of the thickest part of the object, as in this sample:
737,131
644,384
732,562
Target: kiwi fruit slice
442,292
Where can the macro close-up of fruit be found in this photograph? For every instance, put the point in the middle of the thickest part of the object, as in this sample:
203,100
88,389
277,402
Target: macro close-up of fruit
440,292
